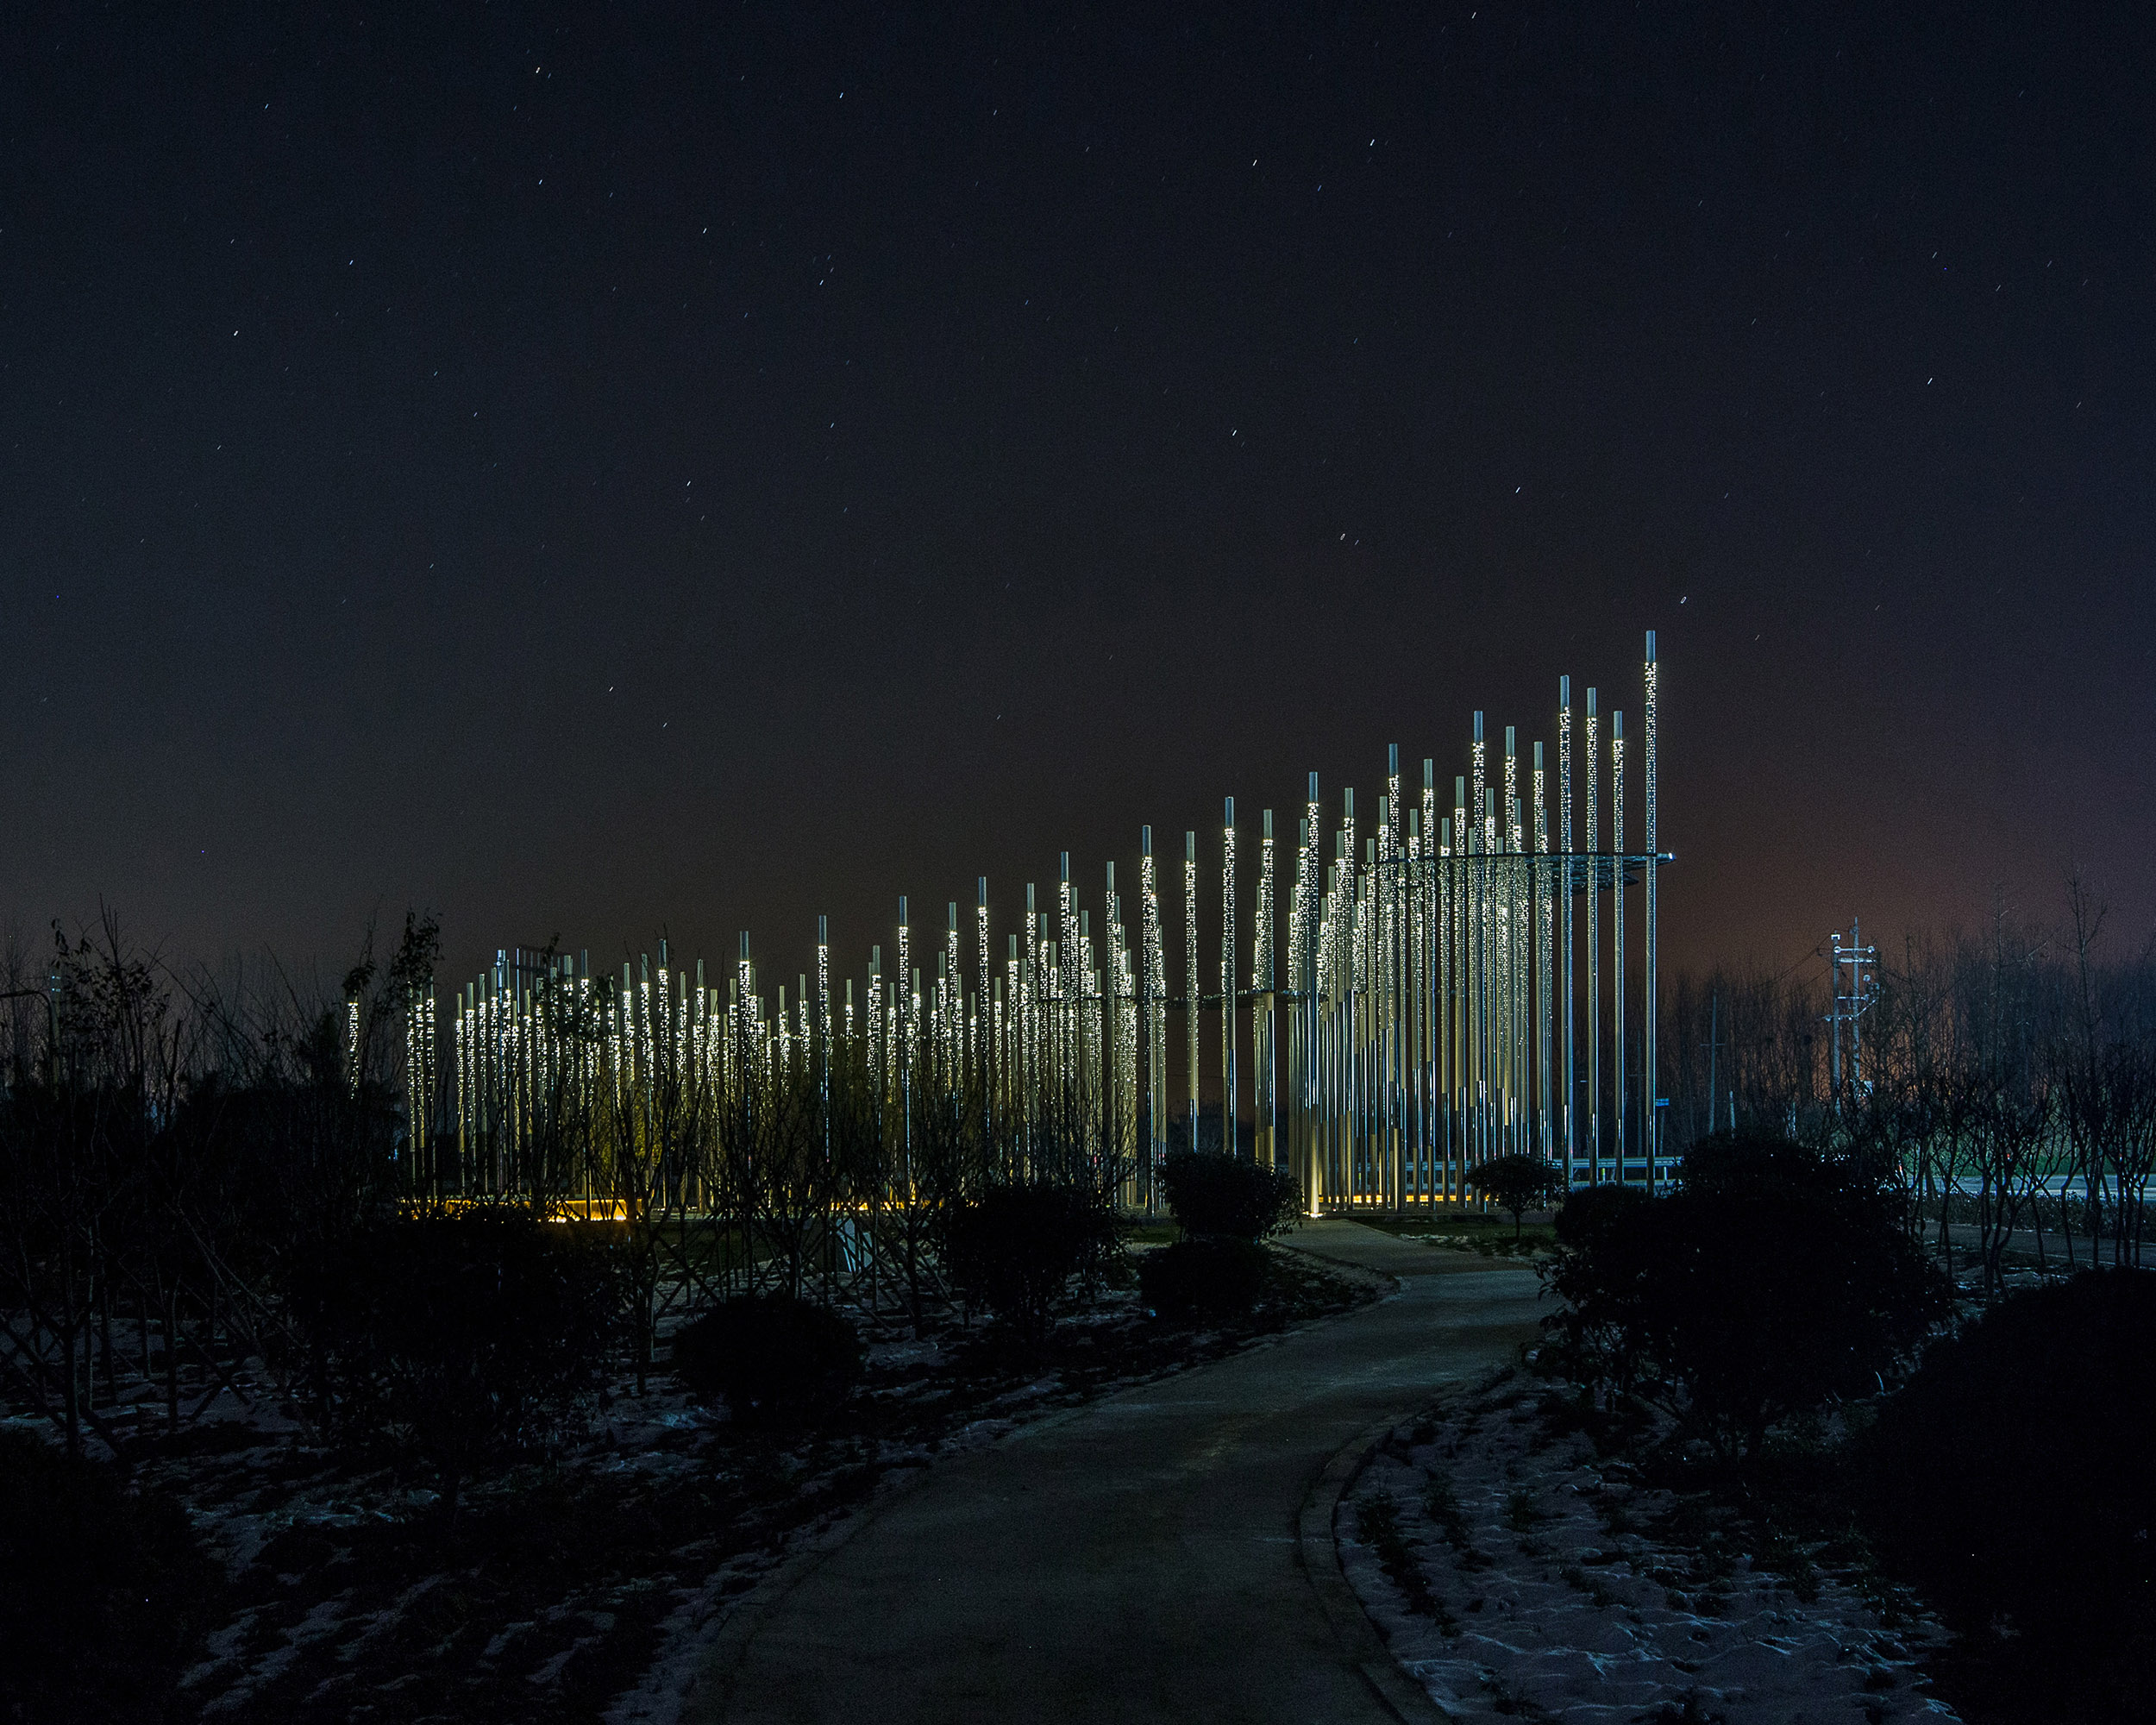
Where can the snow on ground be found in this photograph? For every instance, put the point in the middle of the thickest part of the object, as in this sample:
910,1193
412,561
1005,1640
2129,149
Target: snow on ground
1554,1593
590,1579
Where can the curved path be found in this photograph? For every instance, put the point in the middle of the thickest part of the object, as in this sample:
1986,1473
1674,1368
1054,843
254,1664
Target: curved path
1138,1558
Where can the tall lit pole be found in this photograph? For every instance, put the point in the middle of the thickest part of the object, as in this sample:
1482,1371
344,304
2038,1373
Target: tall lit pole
823,1022
1070,984
1651,1071
1617,929
984,1032
1231,1092
1031,1056
1155,1008
1191,989
1544,933
1426,988
1459,848
1594,952
1567,1098
1303,945
1266,1119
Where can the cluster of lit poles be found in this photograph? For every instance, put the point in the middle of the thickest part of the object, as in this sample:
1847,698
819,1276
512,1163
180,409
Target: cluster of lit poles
1446,985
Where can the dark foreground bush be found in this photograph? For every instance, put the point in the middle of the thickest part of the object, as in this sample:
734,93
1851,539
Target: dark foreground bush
775,1358
1015,1248
1775,1279
1600,1269
103,1594
2013,1476
461,1338
1216,1277
1227,1196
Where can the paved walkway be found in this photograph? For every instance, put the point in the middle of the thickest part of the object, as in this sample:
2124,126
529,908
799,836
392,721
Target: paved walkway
1137,1559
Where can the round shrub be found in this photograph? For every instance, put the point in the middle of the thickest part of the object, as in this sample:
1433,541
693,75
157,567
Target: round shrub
1014,1248
1774,1280
1517,1185
1224,1195
1216,1277
775,1358
2015,1472
104,1594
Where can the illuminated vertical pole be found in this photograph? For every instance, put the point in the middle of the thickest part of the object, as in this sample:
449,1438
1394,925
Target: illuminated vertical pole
1085,1047
467,1073
1457,880
1650,1072
1617,931
1114,1090
902,1034
953,1029
1385,982
1190,976
1070,987
823,1022
1370,1035
1029,1061
1489,832
744,978
879,1051
902,1024
1029,1030
1544,933
1009,1030
1478,812
1391,884
1346,955
984,1032
1411,1010
1231,1092
1594,950
1156,1016
913,1057
1567,1098
1429,999
1508,908
1303,958
1266,1119
1324,1001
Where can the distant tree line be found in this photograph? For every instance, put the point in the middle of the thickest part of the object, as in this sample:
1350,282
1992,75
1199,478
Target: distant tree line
2007,1082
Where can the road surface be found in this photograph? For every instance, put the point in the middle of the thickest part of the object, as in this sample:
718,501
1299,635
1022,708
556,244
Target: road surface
1137,1559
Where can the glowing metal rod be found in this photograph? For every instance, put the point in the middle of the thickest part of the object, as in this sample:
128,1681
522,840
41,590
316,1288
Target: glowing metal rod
1617,929
1231,1092
1650,1070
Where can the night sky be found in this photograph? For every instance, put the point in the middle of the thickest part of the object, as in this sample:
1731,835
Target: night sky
607,472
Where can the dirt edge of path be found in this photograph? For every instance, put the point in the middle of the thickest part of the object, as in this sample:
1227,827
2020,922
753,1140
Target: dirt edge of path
1319,1552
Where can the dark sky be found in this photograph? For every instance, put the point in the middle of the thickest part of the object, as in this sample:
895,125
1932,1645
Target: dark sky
609,470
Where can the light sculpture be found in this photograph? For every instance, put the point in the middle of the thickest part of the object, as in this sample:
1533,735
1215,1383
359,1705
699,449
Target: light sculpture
1418,1014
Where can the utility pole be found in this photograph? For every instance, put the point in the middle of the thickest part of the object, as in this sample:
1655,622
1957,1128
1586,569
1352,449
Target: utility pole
1713,1042
1851,1003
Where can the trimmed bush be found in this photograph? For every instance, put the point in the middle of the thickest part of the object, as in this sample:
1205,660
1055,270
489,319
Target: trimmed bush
1216,1277
1015,1248
1517,1185
104,1594
2015,1472
1775,1279
1226,1196
775,1358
